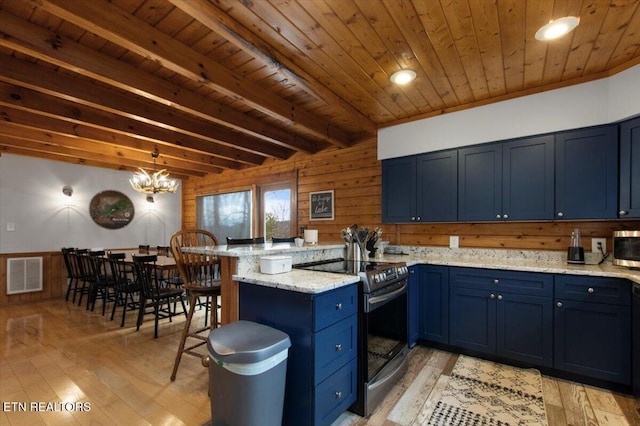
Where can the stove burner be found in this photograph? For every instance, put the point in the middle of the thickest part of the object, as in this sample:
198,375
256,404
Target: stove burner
373,275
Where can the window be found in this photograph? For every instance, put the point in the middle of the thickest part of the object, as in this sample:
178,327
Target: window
225,215
266,207
276,216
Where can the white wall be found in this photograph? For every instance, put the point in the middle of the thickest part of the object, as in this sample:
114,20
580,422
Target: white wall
598,102
47,220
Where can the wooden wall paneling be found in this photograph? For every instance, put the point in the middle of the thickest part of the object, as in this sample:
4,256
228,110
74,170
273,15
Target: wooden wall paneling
355,176
54,279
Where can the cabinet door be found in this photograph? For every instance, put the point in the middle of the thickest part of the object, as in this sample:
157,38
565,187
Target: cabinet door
587,173
630,168
593,339
437,187
528,179
472,319
399,190
433,309
480,183
525,328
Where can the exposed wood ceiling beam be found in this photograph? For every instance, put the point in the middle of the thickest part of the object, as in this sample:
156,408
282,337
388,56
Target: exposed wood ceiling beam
30,100
34,41
128,158
56,84
24,120
104,19
38,146
220,22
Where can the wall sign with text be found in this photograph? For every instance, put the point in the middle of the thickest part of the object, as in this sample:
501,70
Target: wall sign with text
321,205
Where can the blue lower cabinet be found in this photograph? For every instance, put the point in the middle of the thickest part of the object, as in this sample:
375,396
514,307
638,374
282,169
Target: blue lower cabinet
336,393
593,327
321,367
472,320
432,283
489,313
524,324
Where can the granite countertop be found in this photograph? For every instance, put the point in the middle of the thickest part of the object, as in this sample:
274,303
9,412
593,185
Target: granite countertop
533,261
514,260
265,249
299,280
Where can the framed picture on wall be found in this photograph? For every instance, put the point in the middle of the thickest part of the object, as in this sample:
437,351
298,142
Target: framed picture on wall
321,205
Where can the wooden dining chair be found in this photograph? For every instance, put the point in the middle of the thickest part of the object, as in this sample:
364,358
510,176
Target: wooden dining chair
155,296
200,278
244,241
72,279
282,240
127,290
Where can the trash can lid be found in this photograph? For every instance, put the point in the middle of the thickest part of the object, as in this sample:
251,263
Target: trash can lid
244,342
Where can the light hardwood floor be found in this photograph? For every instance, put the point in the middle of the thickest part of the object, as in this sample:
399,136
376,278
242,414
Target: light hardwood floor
56,352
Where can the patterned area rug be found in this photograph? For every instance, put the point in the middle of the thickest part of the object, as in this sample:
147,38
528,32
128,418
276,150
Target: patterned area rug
485,393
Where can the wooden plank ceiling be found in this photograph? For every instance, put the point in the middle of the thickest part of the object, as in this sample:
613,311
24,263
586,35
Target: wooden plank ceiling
228,84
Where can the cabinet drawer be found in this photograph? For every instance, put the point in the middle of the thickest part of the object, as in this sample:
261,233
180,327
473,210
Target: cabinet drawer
335,346
336,394
496,280
334,306
614,291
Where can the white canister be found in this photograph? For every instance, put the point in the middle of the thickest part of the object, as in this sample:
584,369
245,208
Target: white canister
311,236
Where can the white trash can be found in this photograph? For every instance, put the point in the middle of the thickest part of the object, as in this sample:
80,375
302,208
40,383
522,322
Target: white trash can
247,374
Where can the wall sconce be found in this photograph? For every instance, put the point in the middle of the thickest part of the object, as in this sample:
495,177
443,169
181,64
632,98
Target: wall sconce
150,199
67,190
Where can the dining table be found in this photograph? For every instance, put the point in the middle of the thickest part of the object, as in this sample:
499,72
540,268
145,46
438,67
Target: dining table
164,262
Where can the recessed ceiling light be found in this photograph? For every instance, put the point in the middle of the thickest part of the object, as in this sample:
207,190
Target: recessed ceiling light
403,77
557,28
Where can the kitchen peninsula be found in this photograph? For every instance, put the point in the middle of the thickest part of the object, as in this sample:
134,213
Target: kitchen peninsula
242,263
547,299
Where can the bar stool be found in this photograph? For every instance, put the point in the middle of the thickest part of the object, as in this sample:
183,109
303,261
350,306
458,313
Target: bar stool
200,279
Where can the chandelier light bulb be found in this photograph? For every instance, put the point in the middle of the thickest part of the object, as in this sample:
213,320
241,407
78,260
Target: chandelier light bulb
157,182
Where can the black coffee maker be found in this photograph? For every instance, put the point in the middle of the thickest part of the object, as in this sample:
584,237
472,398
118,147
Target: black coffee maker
575,252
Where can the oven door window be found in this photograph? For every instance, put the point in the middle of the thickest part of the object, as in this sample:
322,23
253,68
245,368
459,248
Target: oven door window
386,328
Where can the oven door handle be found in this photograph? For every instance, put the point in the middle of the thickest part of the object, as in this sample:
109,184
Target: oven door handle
381,300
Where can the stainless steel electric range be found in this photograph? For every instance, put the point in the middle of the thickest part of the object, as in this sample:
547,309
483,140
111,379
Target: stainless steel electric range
382,325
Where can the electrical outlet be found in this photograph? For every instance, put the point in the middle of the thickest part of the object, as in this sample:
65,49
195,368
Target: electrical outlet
453,241
594,245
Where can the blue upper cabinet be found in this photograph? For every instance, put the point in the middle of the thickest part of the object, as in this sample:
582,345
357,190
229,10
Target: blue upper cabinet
527,185
399,190
437,186
420,188
480,182
587,173
630,169
507,181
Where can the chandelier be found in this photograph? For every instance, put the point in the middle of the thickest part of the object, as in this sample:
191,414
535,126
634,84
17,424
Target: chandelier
156,183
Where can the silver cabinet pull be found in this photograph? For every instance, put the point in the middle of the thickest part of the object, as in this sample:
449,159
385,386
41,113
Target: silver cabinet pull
559,304
505,216
496,281
492,296
338,347
338,306
622,213
590,290
499,297
413,218
498,216
338,395
560,214
418,218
